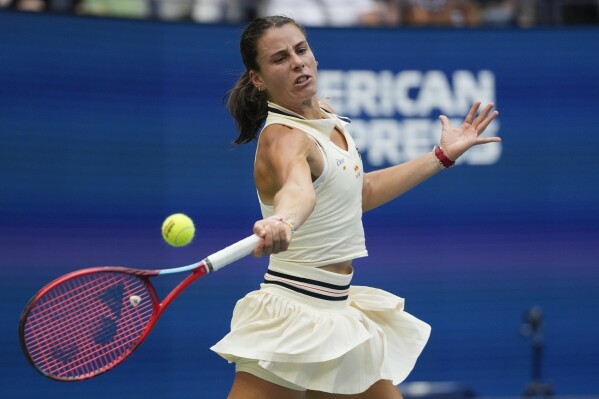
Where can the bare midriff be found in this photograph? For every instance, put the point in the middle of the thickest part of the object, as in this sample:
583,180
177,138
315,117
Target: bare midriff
340,268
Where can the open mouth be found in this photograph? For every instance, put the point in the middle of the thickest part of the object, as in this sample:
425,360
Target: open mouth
302,79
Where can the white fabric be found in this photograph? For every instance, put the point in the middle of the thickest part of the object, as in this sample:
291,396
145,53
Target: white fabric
333,232
332,346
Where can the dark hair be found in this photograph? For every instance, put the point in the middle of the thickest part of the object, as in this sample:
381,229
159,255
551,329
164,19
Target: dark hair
246,104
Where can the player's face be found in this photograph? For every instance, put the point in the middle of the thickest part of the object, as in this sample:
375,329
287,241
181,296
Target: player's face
287,66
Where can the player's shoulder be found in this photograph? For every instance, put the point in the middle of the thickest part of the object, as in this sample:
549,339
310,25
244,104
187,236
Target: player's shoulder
281,135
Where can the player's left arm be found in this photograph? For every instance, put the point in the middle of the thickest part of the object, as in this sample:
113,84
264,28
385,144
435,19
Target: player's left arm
384,185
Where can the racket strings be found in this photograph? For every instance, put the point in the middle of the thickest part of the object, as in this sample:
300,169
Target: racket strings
63,354
65,304
122,341
87,324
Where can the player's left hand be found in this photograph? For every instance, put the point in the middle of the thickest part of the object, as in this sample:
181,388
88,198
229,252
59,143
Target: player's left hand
456,141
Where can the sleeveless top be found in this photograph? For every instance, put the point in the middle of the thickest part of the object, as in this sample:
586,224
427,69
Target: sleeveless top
333,232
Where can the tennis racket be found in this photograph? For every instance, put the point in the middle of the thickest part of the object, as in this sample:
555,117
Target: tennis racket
86,322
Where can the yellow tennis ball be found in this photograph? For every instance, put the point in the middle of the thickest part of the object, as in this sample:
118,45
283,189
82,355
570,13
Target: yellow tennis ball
178,230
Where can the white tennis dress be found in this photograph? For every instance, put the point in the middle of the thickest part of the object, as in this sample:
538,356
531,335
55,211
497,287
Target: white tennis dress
309,326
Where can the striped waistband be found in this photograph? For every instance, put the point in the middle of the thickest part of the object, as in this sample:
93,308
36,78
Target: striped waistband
316,288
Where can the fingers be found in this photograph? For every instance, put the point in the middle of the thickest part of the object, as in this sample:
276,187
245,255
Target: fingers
485,118
444,122
482,121
456,141
479,122
483,115
275,237
485,140
472,113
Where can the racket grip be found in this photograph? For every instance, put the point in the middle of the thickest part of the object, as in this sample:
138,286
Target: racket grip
233,252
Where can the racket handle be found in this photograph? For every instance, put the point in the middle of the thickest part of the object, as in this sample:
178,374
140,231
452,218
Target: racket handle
233,252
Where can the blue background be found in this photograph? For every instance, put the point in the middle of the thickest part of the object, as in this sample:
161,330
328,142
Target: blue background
108,126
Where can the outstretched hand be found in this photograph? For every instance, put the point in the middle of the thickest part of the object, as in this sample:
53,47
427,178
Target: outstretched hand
457,140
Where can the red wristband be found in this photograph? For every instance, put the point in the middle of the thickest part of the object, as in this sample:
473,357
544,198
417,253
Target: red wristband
444,162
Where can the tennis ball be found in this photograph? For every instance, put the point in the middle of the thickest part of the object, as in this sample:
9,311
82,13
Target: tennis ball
178,230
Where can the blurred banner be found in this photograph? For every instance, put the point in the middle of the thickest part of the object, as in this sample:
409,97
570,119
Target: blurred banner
108,126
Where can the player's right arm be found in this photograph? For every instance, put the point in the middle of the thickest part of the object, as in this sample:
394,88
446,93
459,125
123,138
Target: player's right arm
286,160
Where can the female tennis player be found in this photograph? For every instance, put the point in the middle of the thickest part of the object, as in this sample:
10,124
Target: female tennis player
308,333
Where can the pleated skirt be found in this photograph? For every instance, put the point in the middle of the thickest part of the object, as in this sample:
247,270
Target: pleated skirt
312,328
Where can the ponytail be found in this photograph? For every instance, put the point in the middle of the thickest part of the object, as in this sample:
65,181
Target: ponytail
249,108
